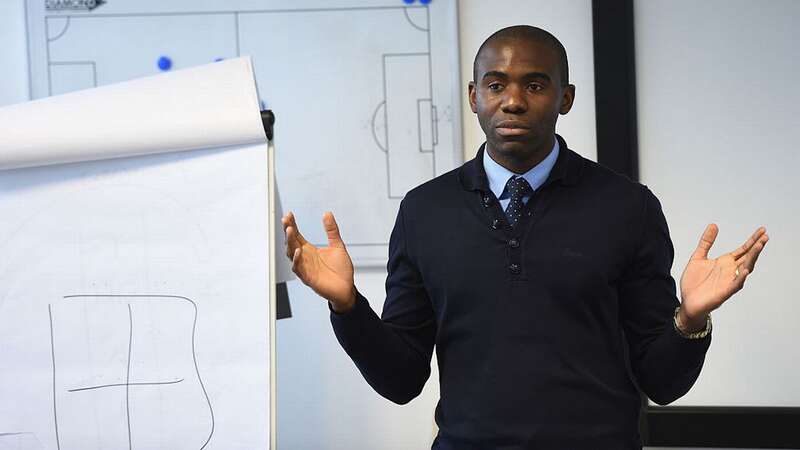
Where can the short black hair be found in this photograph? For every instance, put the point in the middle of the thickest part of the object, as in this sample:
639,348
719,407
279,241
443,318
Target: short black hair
528,33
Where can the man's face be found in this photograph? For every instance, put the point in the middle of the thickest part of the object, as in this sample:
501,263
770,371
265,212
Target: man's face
517,95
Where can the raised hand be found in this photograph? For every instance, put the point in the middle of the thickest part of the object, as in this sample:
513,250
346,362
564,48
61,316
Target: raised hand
329,270
707,283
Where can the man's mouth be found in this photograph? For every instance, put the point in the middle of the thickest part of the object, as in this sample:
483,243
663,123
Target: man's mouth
510,128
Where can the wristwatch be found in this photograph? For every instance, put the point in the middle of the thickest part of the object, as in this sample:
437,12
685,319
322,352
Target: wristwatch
696,335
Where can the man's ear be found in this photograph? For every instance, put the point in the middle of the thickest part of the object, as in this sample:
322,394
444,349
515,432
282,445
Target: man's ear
567,98
473,103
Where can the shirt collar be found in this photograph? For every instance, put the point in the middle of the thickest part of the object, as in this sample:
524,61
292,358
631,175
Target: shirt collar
566,172
498,175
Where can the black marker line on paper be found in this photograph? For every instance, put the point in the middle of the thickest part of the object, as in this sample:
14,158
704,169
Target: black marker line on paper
151,383
128,377
194,353
53,356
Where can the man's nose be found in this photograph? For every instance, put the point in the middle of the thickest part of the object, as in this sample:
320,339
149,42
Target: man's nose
514,100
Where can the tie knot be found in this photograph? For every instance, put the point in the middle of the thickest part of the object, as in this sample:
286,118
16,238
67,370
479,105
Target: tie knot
518,187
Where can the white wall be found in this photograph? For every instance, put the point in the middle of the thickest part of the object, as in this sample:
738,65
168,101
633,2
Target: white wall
718,106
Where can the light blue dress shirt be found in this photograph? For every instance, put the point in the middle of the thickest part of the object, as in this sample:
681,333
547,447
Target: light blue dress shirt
498,175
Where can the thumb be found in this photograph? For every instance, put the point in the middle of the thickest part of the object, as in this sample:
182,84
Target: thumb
706,241
332,230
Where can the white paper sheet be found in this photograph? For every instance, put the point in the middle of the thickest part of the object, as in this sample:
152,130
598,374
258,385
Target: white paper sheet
135,292
203,107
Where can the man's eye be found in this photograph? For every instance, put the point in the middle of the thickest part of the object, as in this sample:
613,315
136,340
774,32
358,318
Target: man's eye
495,87
535,87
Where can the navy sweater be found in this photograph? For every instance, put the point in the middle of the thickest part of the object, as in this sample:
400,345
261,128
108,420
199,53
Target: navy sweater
544,333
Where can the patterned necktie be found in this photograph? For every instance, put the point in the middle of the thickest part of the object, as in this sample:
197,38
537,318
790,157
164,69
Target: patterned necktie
518,187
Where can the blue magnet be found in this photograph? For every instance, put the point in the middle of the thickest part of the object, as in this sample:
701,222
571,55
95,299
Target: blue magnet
424,2
164,63
408,2
218,59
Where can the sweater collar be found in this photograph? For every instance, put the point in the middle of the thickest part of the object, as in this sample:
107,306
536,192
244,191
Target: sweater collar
566,170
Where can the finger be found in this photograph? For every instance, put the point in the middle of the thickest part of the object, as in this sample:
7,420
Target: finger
296,266
749,259
332,230
284,225
286,220
291,222
293,241
738,281
290,243
706,241
741,251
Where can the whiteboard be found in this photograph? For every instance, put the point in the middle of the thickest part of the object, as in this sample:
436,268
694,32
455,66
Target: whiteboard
137,292
366,93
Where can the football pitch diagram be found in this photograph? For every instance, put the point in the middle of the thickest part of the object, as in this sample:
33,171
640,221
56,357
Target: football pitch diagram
365,93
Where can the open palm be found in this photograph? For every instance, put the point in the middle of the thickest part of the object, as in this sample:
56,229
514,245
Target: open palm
707,283
327,270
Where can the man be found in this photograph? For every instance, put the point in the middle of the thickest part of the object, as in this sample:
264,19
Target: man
524,268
